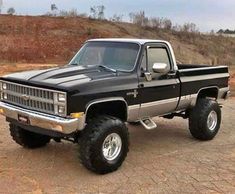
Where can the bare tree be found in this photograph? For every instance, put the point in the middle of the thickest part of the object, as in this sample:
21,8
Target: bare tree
155,22
116,18
131,16
101,9
139,18
71,13
212,32
97,12
189,27
167,24
83,15
54,9
11,11
93,12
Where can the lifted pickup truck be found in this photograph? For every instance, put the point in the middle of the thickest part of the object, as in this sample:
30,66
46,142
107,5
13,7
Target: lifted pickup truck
110,82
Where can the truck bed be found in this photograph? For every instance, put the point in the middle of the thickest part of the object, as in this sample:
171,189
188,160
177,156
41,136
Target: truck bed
191,66
194,78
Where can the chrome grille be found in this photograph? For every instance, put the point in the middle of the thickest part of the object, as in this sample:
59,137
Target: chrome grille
33,98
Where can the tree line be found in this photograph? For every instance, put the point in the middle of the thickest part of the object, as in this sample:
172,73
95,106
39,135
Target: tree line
138,18
227,31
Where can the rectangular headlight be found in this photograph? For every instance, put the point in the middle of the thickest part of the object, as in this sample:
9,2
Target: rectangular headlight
61,109
60,103
4,95
61,97
4,86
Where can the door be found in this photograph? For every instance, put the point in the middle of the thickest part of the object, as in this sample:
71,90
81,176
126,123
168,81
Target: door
158,92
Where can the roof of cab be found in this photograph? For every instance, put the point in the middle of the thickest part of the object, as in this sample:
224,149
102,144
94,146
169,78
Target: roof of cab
133,40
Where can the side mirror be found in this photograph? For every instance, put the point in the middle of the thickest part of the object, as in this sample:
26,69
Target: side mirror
160,68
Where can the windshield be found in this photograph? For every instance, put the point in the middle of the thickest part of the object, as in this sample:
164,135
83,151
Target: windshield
114,55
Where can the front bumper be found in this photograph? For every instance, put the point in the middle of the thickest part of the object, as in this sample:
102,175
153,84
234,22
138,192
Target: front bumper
42,120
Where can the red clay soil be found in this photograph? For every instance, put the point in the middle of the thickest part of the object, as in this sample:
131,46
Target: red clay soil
44,39
52,40
232,83
13,68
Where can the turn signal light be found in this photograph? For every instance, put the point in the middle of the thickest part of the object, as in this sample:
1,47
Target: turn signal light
1,111
77,115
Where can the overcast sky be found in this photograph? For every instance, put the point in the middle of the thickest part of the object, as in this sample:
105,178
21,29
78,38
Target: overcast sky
207,14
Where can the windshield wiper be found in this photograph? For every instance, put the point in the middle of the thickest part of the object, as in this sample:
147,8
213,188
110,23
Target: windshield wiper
108,68
73,64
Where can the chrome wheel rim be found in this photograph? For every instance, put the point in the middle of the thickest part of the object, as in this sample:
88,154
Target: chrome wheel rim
212,120
112,146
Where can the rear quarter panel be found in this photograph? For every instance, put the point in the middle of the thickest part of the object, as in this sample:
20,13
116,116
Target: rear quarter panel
194,79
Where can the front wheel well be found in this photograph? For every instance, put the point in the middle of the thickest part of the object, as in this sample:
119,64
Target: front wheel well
113,108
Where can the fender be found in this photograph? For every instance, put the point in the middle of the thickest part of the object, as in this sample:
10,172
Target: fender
109,99
195,96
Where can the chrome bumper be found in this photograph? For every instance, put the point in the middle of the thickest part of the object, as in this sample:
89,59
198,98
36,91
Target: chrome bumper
42,120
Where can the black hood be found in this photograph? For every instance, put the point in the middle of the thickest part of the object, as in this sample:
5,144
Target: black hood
66,76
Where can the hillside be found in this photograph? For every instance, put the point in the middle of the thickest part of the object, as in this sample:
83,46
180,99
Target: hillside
55,40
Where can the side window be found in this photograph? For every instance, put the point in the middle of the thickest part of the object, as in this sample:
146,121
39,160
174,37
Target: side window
157,55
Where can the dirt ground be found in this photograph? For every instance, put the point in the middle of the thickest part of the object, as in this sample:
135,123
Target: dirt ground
232,82
19,67
164,160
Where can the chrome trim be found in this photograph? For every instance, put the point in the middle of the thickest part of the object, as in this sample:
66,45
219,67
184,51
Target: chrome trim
134,93
149,125
45,121
112,146
160,68
212,120
50,90
34,100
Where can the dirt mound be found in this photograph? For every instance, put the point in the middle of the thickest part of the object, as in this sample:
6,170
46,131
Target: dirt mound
12,68
35,39
42,39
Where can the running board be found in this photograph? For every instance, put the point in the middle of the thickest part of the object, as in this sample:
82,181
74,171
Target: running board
148,123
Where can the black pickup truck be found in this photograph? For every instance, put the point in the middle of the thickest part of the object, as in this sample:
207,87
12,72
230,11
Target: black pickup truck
108,83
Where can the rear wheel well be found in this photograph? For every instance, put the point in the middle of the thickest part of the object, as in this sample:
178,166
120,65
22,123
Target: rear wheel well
113,108
208,92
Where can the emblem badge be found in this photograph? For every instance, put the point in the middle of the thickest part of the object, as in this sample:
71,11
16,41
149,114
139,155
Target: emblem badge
25,97
134,93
